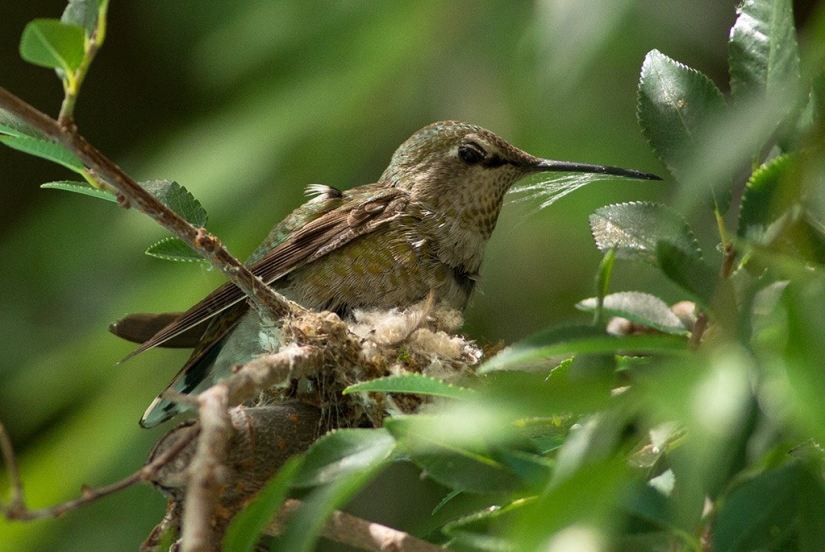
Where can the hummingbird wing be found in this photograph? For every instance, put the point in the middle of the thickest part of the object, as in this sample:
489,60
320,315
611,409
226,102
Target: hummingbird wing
138,327
338,220
198,373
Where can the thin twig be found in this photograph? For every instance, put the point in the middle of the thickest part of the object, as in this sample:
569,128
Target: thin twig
270,304
93,46
17,501
357,532
16,510
702,318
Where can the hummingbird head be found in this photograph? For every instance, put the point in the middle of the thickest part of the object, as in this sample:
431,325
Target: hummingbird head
455,158
458,174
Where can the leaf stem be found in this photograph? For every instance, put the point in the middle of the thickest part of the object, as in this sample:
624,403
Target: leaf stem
73,81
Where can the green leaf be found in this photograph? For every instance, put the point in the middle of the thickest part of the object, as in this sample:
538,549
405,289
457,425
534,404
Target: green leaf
603,282
633,230
639,307
246,528
587,498
177,198
45,149
759,515
478,530
803,348
418,384
305,524
465,465
675,104
82,13
54,44
11,125
569,340
174,249
691,273
341,453
763,52
762,201
80,188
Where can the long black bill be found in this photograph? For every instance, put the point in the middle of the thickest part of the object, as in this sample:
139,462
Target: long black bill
564,166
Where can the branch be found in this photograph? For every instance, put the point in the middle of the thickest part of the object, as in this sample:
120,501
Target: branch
356,532
207,471
269,303
17,510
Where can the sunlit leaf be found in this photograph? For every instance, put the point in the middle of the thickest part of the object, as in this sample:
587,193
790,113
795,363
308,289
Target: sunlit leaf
80,187
763,52
464,464
570,340
410,383
341,453
639,307
633,230
675,105
54,44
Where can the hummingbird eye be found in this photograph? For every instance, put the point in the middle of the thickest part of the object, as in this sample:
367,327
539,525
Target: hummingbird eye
471,153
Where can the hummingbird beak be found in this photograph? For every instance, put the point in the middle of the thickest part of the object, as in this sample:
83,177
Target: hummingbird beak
547,165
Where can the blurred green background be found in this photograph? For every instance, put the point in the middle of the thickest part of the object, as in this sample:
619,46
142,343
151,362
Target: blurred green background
245,103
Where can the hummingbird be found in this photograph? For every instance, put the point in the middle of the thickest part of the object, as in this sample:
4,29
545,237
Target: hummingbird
420,230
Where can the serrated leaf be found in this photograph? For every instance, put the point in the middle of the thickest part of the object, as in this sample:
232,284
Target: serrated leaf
54,44
80,188
343,452
174,249
633,230
569,340
639,307
418,384
691,273
763,52
761,201
246,528
675,104
82,13
178,199
44,149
